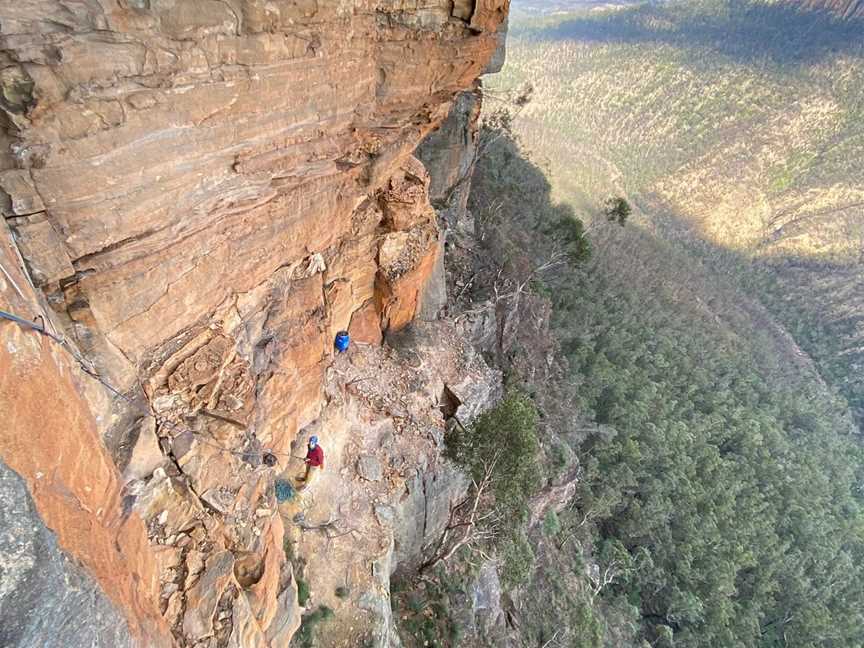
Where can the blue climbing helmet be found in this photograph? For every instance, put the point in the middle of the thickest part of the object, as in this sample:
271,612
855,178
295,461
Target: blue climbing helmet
313,441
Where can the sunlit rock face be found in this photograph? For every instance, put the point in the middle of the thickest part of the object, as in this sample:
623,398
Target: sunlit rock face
203,192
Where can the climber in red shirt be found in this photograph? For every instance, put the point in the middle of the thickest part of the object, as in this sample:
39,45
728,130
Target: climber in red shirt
314,463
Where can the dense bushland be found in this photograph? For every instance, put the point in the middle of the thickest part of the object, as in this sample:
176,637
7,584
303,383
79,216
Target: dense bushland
737,130
719,500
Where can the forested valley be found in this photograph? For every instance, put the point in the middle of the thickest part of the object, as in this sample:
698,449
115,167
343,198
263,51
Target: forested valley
694,369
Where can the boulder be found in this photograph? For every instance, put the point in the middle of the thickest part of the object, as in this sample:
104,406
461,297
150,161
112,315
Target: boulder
369,468
146,455
203,597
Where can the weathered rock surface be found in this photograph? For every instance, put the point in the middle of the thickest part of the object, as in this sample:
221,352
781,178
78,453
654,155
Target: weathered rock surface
384,410
42,591
203,597
50,437
449,154
369,468
203,192
176,154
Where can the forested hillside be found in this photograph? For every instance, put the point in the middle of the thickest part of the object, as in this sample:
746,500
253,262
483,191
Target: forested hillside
696,368
738,130
717,505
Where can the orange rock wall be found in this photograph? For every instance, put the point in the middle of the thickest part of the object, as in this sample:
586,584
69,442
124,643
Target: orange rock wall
50,438
205,181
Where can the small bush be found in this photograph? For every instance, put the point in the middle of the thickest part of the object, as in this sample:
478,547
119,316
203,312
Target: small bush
518,559
617,210
454,631
551,524
587,628
426,614
398,585
416,603
305,635
559,457
302,592
569,232
342,592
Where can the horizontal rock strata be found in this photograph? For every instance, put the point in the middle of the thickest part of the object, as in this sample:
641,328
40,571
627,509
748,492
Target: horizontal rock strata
202,193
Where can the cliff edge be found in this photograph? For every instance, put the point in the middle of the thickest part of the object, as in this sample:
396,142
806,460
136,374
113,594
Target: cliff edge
197,195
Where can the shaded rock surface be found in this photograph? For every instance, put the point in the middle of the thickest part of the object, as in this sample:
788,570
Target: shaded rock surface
42,591
449,153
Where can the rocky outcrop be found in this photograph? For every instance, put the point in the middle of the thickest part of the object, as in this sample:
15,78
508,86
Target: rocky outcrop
43,591
202,193
449,154
166,157
387,493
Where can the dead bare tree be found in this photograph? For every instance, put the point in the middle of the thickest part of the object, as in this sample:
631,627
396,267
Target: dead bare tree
588,514
332,528
603,577
553,641
507,289
470,525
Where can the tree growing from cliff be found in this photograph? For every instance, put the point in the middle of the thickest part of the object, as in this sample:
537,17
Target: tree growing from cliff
499,453
505,437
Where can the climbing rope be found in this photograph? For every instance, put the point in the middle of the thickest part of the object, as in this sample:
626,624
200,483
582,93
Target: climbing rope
161,422
31,325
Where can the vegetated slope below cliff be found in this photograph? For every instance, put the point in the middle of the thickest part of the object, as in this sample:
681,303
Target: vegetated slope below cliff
737,130
716,500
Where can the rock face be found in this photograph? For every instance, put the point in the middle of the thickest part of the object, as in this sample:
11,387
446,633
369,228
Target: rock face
50,437
166,157
43,592
202,193
387,492
449,153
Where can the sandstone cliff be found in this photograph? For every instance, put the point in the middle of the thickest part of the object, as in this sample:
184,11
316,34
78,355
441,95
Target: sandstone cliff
197,194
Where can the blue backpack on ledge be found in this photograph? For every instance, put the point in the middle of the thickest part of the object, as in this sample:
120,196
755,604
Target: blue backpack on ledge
284,490
342,341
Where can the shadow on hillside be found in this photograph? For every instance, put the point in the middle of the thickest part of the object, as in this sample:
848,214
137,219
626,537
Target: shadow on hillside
791,303
807,309
744,31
